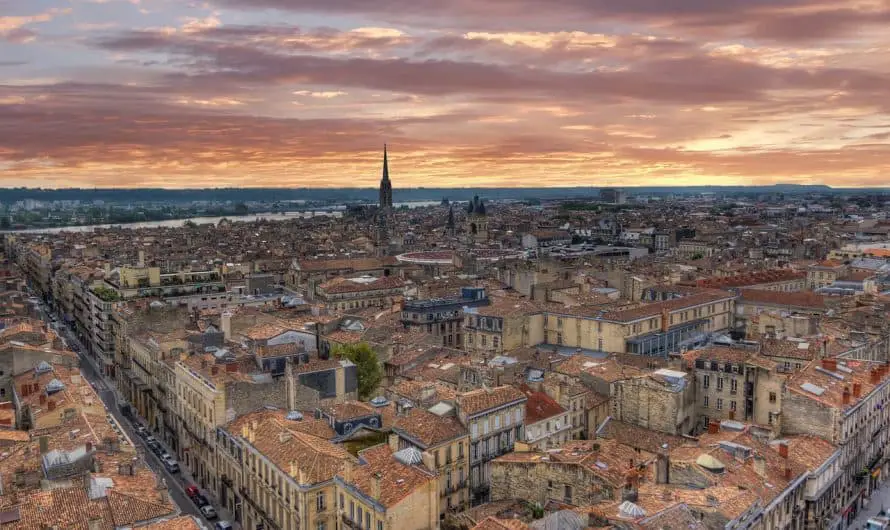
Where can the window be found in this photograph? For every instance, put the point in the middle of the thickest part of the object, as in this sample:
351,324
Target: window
368,520
719,404
352,510
460,450
474,429
705,402
380,525
733,386
706,381
719,384
497,421
321,525
732,405
319,502
772,397
496,341
518,415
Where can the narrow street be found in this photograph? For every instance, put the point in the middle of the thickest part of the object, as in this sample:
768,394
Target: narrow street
176,483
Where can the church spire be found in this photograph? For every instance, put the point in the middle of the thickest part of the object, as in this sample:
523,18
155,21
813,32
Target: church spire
385,165
385,184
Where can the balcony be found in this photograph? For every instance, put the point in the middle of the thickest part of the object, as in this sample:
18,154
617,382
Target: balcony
349,523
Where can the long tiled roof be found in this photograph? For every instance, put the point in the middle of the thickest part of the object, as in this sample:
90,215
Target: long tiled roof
477,401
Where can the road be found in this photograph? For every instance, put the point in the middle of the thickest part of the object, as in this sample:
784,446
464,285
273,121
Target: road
107,392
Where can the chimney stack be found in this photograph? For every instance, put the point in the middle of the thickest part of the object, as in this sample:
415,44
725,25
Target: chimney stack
42,399
857,389
783,450
713,427
225,322
214,370
874,376
845,397
375,485
348,469
665,320
51,405
787,471
760,466
830,364
663,469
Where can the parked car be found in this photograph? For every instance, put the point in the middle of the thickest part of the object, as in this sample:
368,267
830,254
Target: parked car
192,491
141,431
200,500
209,512
222,525
171,465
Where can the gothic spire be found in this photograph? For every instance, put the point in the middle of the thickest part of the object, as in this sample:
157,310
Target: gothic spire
385,165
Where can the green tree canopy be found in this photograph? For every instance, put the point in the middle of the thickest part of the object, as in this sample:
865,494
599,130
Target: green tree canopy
367,365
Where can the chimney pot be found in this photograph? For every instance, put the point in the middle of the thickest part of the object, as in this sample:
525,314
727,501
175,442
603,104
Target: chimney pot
830,364
42,399
857,389
51,405
214,370
846,396
787,473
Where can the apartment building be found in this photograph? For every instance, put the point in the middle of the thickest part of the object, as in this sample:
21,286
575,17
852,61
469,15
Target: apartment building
444,444
654,329
662,400
344,294
495,418
547,424
208,395
387,490
824,273
844,404
736,384
505,324
443,317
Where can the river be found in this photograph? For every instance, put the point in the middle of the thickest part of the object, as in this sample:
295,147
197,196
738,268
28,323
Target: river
335,211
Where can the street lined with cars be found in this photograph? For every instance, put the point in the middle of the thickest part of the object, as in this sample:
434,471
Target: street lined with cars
186,495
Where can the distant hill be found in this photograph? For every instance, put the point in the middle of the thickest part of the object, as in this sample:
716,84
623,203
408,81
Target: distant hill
11,195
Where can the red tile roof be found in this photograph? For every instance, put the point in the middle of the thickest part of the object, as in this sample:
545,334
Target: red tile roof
539,406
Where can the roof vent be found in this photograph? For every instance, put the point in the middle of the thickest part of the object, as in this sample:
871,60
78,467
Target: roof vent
54,386
43,367
294,415
629,510
408,456
379,401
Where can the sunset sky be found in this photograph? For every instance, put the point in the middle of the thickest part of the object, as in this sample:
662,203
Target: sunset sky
172,93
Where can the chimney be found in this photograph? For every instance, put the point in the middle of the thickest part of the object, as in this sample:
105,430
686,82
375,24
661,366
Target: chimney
294,470
225,322
89,446
214,370
663,469
44,444
857,389
87,481
232,367
845,397
787,471
665,320
713,427
783,450
393,442
348,469
51,405
830,364
284,436
760,465
42,399
203,363
26,390
96,523
375,486
874,376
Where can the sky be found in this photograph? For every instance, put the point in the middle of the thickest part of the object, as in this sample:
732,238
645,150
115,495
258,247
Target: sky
506,93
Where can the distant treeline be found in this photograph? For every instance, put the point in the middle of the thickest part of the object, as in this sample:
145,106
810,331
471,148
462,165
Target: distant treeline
239,195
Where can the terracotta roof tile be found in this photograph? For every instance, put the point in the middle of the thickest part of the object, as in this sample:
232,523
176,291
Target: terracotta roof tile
477,401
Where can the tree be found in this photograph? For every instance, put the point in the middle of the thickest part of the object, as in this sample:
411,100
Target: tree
367,366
